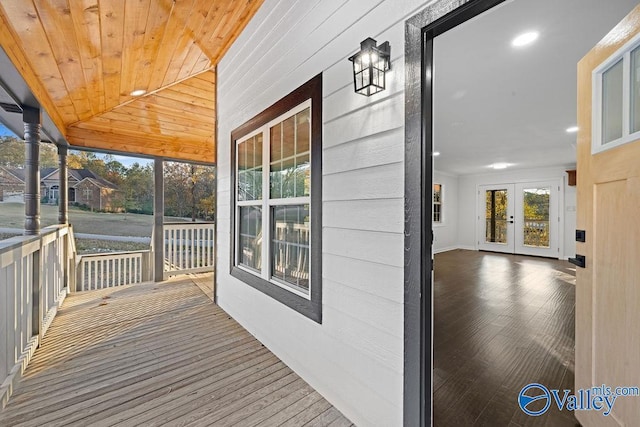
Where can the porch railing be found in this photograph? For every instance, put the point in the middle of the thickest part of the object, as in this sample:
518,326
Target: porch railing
188,248
99,271
34,272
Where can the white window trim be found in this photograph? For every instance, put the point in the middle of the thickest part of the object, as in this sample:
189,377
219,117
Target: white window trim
266,203
623,53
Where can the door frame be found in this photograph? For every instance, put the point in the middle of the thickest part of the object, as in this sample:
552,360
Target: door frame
420,30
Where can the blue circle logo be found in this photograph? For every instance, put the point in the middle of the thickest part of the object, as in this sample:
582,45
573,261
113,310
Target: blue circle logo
534,393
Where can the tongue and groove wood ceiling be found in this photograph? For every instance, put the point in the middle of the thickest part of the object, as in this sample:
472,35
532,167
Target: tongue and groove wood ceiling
83,58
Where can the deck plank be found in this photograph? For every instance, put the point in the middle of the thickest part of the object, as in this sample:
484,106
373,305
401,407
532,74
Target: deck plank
158,354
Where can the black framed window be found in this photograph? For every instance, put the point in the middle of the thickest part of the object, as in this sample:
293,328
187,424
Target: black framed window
277,195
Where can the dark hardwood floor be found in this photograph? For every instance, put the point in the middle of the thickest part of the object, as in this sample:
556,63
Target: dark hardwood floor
500,323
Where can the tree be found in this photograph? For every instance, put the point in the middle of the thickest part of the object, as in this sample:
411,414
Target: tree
137,189
189,190
12,153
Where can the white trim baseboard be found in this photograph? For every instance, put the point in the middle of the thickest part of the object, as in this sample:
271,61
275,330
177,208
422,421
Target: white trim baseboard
453,248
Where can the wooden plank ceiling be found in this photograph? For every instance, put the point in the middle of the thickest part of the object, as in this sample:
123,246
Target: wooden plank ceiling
84,58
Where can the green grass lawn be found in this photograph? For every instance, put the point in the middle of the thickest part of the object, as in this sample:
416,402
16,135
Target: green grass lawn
114,224
110,224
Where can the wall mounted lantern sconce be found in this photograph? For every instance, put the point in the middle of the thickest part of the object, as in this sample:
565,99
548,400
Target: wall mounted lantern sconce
369,67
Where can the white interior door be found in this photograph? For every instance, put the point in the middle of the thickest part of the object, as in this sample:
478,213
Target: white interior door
537,220
496,206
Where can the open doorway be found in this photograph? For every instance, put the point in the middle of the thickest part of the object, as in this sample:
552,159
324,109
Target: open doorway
501,119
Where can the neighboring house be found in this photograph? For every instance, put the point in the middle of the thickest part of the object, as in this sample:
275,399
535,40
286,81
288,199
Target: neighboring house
10,182
96,193
85,187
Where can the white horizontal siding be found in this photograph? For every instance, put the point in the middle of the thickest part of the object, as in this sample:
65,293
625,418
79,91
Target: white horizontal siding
380,149
380,182
364,276
367,215
355,357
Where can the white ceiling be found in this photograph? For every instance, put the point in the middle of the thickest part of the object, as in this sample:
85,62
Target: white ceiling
496,103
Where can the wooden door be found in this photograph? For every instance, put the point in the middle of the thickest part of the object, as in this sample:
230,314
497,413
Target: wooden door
608,288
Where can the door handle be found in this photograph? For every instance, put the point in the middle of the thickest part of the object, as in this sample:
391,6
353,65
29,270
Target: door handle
579,260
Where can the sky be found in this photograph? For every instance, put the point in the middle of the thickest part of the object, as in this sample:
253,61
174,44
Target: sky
125,160
4,131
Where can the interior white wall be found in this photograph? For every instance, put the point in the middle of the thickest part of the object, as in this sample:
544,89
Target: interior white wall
445,235
355,357
468,187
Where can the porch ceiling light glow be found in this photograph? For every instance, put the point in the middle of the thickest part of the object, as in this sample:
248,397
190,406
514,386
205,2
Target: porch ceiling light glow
525,39
573,129
369,67
138,92
436,153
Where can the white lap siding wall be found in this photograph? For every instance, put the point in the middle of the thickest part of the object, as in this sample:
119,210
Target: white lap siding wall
355,357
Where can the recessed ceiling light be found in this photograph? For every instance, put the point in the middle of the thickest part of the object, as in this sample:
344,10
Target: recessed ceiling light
500,165
573,129
436,153
525,39
138,92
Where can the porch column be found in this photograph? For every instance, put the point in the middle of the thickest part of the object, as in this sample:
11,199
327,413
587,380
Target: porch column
158,220
31,119
63,196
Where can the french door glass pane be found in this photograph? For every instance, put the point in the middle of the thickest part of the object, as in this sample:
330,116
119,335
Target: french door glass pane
496,216
290,245
612,103
250,169
250,244
536,216
635,90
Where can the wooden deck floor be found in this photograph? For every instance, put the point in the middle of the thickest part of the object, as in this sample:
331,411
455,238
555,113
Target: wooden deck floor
158,354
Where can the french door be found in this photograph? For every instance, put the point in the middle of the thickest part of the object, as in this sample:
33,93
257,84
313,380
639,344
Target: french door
520,218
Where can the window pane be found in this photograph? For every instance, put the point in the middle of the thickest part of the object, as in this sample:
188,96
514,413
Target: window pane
536,217
290,158
303,130
635,90
302,176
250,241
290,245
250,169
437,203
612,103
496,216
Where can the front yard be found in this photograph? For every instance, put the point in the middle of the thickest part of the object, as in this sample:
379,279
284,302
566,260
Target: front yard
85,222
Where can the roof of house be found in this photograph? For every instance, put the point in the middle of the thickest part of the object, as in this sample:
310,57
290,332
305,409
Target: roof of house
100,182
18,173
79,174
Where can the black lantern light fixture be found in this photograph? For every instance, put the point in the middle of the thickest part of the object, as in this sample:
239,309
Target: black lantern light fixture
369,67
